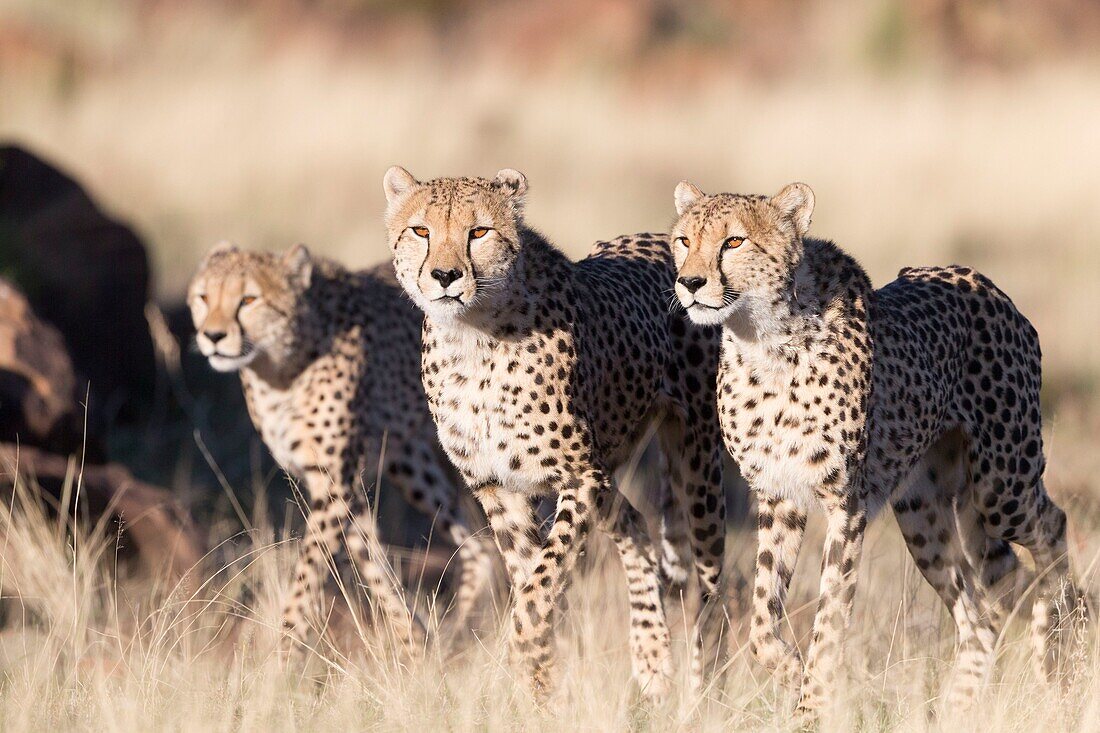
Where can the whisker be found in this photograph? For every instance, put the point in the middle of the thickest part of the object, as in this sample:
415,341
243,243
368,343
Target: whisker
487,286
674,303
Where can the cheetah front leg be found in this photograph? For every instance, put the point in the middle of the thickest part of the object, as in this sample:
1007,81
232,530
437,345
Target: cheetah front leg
514,520
326,525
538,596
781,524
846,524
650,649
329,511
515,524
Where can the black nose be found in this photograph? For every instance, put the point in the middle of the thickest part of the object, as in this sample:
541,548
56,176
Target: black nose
214,336
692,283
446,277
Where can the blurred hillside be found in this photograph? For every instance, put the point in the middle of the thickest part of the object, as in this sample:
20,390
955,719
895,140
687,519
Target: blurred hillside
931,130
639,37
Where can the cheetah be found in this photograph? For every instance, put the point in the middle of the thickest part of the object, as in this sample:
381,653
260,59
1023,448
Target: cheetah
543,375
330,361
923,394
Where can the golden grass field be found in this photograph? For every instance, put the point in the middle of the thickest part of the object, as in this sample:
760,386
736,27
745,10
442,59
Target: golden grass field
210,124
84,648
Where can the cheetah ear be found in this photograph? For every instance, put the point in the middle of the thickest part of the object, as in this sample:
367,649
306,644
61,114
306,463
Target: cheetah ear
687,193
299,265
797,202
221,248
512,184
396,182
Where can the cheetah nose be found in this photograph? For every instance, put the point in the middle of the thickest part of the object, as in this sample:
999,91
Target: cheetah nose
214,336
446,277
692,283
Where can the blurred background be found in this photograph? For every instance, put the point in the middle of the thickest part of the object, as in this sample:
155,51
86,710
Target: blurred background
932,131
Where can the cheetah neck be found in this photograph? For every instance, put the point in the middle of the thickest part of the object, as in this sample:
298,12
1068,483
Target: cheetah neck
827,294
317,322
778,324
510,312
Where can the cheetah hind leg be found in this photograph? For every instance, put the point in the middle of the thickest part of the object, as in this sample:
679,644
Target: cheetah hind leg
930,512
998,570
1058,612
650,658
675,547
1027,516
695,476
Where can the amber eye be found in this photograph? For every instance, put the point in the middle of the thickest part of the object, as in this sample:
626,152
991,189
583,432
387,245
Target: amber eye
203,297
248,300
682,241
478,232
421,232
732,243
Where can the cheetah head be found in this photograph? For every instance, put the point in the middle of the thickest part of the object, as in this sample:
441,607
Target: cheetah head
454,240
245,304
734,251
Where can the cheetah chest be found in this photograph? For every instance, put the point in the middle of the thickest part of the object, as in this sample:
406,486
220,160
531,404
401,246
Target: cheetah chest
294,440
484,413
778,424
273,415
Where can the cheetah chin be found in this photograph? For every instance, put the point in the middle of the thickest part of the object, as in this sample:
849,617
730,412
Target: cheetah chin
223,363
702,314
445,309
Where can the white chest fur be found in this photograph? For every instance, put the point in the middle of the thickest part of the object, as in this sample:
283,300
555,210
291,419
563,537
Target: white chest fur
479,408
273,413
776,417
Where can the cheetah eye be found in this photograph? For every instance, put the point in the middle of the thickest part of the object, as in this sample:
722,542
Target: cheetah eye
248,300
732,243
202,297
478,232
421,232
682,241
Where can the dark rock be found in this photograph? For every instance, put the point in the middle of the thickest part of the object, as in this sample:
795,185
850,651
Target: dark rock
39,402
85,273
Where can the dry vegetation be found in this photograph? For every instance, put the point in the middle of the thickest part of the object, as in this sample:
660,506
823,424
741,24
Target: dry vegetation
270,126
85,647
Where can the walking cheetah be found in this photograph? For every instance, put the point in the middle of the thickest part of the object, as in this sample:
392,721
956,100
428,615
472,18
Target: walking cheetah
542,376
924,393
329,361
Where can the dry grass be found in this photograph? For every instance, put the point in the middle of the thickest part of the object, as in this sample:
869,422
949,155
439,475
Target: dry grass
87,647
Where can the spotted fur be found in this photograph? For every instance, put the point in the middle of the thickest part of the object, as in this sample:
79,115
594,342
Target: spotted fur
923,394
542,376
329,361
